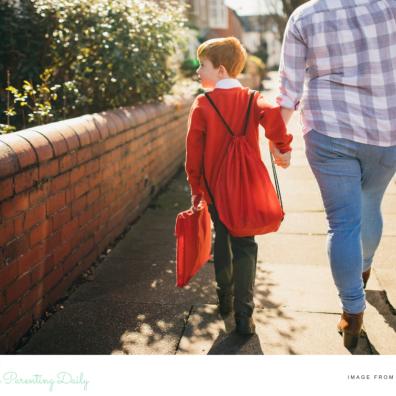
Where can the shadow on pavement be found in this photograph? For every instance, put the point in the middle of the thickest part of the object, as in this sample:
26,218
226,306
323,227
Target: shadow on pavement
235,344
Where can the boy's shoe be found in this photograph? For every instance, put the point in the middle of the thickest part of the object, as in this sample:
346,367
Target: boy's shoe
245,325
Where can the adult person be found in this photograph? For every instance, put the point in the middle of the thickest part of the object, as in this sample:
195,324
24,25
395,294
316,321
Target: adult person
338,64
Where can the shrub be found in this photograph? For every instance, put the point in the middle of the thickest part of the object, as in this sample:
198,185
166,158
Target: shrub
102,53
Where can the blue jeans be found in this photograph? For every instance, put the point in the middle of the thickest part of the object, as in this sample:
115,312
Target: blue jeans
352,178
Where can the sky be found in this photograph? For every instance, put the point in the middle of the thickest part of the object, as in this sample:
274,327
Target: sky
251,7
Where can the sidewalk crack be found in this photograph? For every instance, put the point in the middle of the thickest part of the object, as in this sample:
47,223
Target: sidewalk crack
186,319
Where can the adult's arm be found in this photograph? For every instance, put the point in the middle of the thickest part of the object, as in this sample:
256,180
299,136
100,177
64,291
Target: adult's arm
292,68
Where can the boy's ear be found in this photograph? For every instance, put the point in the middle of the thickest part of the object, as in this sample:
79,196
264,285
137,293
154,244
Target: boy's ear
222,71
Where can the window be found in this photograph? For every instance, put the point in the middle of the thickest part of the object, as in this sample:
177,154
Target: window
218,14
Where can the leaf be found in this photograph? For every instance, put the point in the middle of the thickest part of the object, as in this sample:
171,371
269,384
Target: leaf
10,112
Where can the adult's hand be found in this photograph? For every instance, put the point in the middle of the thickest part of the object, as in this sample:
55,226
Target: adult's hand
282,160
195,201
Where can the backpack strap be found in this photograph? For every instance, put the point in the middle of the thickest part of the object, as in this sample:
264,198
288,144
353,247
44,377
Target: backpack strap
224,121
248,113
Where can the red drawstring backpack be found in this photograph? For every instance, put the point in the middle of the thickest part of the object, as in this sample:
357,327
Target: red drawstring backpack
242,192
193,242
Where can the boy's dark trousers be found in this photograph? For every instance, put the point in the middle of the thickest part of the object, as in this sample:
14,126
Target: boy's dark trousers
235,261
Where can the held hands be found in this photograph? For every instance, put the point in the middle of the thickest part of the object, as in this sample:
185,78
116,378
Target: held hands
196,201
282,160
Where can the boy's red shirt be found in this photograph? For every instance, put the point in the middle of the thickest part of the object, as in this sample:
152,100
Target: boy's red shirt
207,136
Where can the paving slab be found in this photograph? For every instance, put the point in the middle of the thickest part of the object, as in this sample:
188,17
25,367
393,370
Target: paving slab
148,282
279,332
387,279
110,325
292,249
297,287
380,323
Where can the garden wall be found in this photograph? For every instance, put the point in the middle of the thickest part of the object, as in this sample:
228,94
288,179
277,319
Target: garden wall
67,190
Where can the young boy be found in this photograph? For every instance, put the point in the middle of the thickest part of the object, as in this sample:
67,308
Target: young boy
221,60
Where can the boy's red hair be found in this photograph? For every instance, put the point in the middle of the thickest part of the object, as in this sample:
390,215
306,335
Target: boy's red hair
227,51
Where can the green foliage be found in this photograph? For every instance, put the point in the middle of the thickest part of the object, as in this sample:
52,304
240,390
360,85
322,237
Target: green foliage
38,99
100,54
189,67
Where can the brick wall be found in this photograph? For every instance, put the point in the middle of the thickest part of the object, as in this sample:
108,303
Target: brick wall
67,190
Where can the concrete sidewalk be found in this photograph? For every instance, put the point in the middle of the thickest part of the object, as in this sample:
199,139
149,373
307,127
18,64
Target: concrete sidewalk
130,305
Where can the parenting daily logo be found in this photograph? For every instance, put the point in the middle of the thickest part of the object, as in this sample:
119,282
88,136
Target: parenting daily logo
62,378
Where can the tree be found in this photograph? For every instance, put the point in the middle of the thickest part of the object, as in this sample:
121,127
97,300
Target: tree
281,11
290,5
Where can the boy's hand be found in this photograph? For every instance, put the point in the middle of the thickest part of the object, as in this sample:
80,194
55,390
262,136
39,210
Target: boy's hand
195,201
282,160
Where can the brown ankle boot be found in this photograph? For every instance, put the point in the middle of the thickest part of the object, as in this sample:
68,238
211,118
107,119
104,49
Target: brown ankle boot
366,276
350,326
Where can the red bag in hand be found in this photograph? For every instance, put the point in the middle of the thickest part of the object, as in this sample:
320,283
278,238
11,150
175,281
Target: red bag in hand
242,191
193,242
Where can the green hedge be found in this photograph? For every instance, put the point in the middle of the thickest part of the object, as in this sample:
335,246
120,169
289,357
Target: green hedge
91,54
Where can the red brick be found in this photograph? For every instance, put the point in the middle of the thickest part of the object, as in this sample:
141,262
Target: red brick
4,344
8,274
98,149
68,161
56,139
84,155
48,169
35,216
21,327
8,317
69,196
2,302
61,252
92,166
94,180
55,202
31,298
8,162
14,206
24,151
42,269
40,144
53,241
7,232
39,194
79,205
93,195
17,288
16,248
69,229
53,278
31,258
69,134
59,183
77,173
74,258
79,128
19,222
80,188
40,232
25,180
60,218
85,217
6,188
